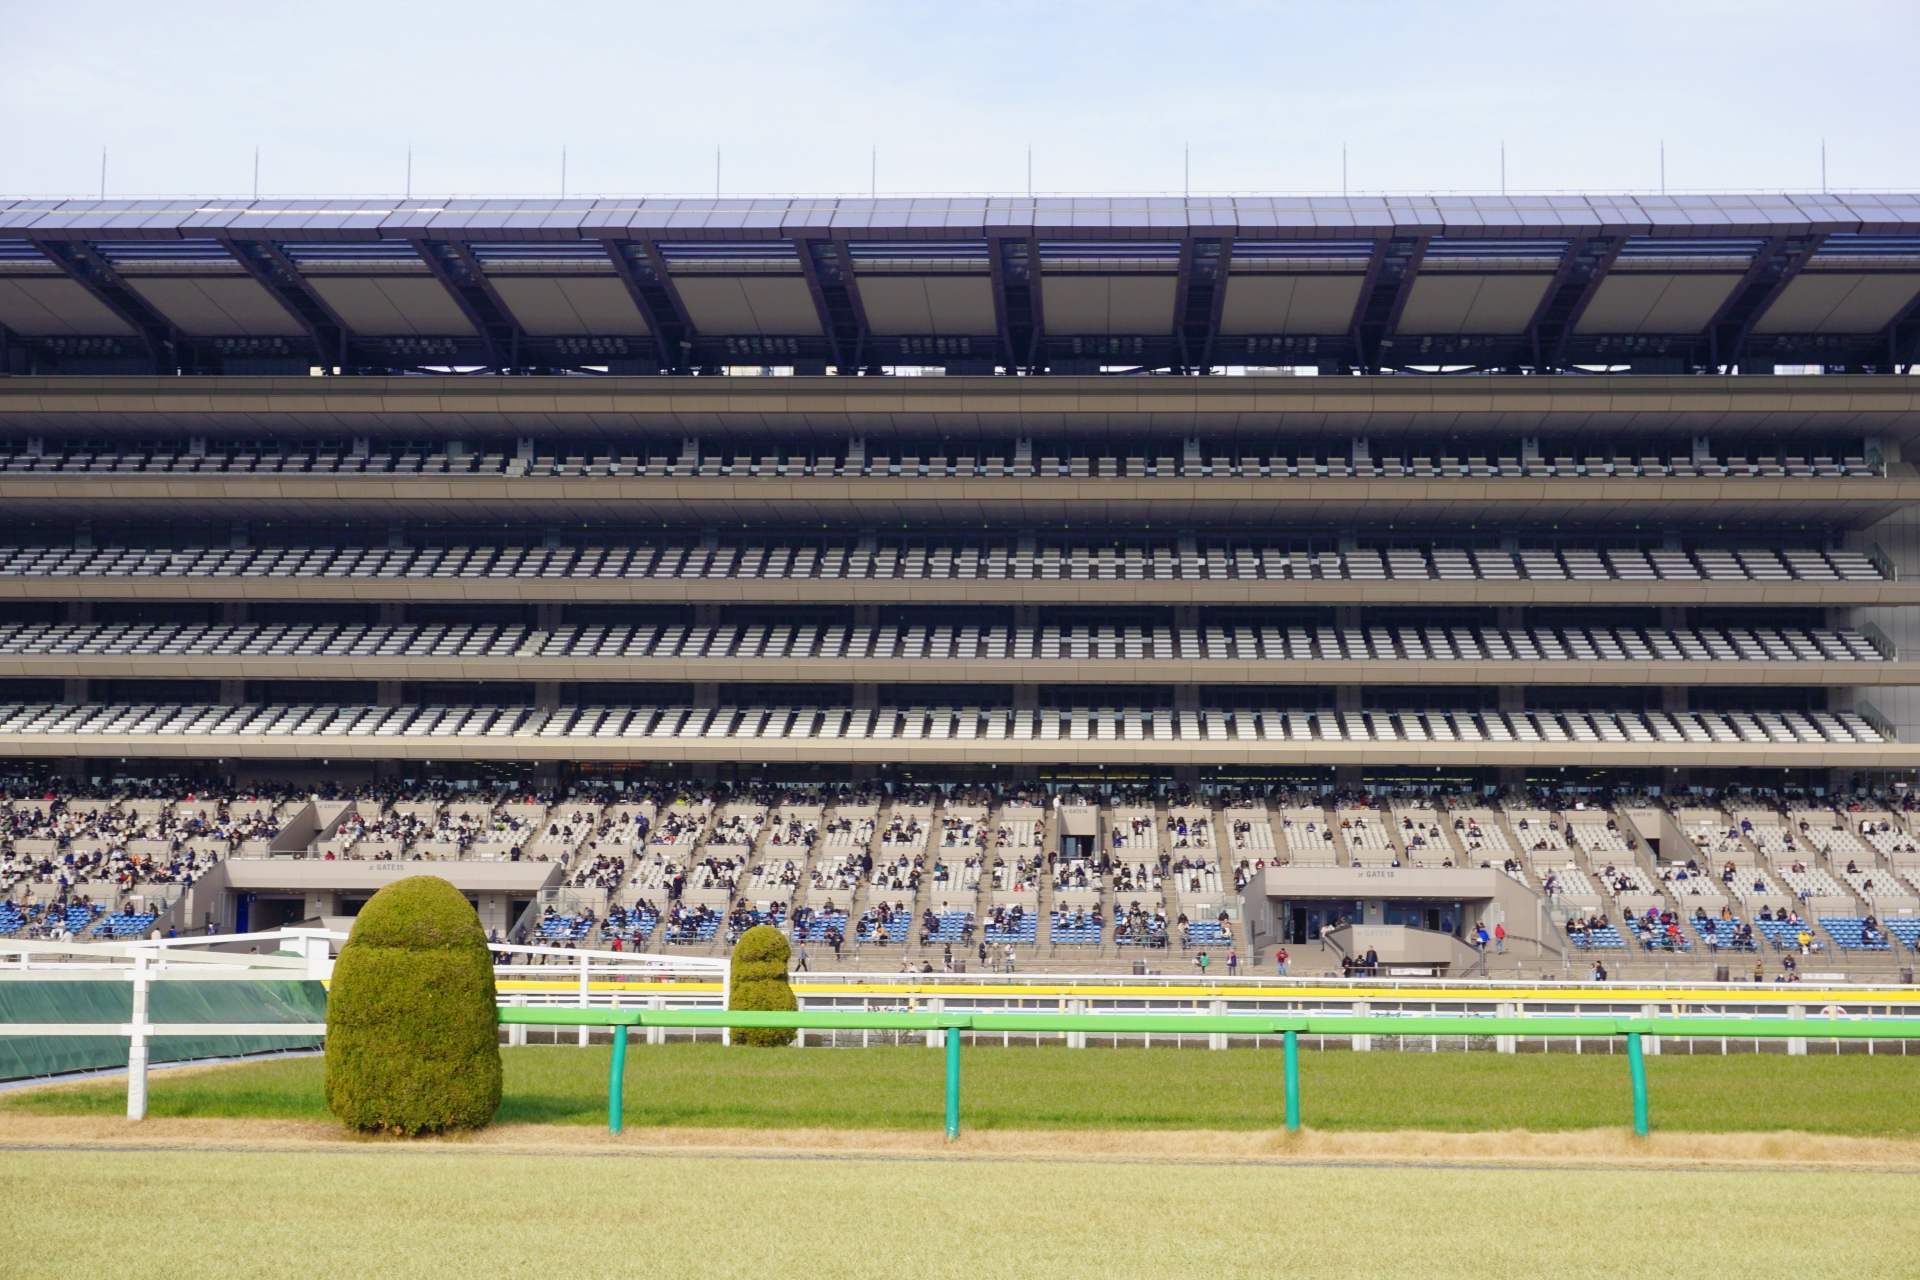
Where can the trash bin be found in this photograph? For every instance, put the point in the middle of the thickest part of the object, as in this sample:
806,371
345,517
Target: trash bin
1140,970
1721,973
959,966
1906,975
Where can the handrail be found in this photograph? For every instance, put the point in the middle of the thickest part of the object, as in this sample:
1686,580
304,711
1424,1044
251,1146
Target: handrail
1875,717
1289,1026
1881,642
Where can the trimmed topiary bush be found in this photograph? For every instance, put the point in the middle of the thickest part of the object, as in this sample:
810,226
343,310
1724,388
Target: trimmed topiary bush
413,1044
760,982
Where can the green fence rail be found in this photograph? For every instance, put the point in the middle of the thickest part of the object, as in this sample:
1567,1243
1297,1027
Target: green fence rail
1289,1026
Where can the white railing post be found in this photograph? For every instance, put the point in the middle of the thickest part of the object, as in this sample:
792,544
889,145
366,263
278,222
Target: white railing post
1217,1039
517,1033
137,1044
1796,1045
1362,1043
1505,1044
586,992
936,1039
657,1035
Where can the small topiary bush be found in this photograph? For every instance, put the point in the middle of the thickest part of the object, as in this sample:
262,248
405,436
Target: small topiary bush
413,1044
760,982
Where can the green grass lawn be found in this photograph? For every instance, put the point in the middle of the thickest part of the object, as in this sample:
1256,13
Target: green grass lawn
405,1210
1054,1088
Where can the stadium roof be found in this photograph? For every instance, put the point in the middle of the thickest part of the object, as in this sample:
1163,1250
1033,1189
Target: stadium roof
1062,284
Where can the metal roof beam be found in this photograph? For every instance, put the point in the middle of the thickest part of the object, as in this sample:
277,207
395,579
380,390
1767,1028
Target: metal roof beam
663,279
648,300
455,270
92,272
1013,262
1199,296
490,303
1390,273
272,271
1582,269
828,267
1763,287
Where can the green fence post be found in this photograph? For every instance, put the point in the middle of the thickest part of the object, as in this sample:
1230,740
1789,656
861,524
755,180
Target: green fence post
617,1080
953,1083
1293,1081
1638,1065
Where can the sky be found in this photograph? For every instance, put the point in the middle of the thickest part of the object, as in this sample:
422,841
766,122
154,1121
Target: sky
904,98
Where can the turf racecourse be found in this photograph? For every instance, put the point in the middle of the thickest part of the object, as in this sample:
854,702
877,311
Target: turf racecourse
1094,1090
394,1209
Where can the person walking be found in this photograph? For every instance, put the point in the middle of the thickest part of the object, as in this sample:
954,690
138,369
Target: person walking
1201,962
1499,939
800,959
1280,962
1233,963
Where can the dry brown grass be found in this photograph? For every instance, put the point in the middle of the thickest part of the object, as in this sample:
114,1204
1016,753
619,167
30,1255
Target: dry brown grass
1591,1148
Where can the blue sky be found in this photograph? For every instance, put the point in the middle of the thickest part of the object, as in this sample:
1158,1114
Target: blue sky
797,96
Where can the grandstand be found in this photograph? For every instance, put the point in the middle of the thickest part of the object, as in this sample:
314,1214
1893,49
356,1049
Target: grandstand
1056,584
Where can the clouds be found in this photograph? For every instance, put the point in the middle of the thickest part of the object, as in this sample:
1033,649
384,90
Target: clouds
796,94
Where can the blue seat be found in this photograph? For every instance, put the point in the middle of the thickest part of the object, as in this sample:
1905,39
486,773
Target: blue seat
950,926
1722,936
1208,933
124,925
817,925
1782,935
1084,934
1025,929
1849,933
1605,938
1907,929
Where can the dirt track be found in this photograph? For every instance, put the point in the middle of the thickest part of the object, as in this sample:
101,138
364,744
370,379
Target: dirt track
1594,1148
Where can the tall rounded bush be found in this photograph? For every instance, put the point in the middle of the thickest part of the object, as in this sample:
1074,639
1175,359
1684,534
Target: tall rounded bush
760,982
413,1044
